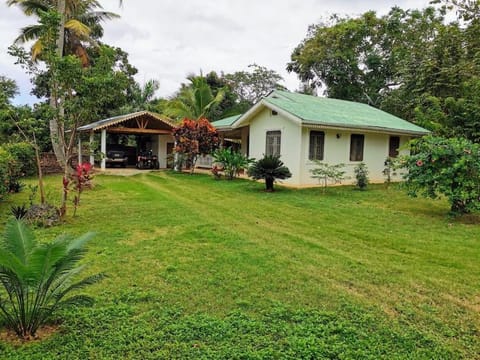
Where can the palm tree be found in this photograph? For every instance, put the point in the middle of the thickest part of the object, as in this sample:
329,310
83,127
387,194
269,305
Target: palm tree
269,168
194,101
81,25
72,12
39,277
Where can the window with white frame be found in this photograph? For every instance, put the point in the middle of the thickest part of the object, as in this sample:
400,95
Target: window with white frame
273,141
317,141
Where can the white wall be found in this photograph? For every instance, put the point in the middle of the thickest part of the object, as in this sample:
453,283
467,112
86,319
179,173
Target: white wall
290,141
337,150
162,149
295,148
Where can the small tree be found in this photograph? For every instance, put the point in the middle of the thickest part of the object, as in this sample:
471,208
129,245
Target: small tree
361,175
232,161
269,168
194,138
448,167
326,173
390,165
38,277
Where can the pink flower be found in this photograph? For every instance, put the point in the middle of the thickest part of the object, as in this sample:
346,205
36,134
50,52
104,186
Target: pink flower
419,162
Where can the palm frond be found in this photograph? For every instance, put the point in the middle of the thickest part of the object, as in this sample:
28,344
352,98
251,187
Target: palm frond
31,7
37,49
78,28
28,33
80,241
19,240
81,284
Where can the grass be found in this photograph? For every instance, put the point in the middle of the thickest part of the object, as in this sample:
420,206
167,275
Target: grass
199,268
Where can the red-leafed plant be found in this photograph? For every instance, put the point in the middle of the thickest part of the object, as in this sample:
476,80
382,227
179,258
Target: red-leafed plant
194,138
79,180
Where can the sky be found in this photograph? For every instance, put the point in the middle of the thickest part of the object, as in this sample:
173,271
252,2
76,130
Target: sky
170,39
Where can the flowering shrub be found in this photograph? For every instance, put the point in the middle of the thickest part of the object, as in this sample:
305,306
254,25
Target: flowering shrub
448,167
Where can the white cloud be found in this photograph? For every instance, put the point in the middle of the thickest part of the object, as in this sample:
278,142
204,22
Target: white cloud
169,39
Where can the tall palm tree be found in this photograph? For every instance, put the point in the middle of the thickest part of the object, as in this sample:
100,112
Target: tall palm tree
81,23
194,101
72,12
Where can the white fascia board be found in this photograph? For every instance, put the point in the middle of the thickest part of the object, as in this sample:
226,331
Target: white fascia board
245,118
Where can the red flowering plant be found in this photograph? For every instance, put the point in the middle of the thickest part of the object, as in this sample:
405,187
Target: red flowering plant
78,180
441,167
194,138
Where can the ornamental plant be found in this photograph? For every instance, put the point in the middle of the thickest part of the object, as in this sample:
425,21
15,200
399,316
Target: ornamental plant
232,162
39,278
269,168
361,176
328,173
78,181
194,138
445,167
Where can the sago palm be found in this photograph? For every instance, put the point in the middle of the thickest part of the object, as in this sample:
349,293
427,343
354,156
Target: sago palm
269,168
38,278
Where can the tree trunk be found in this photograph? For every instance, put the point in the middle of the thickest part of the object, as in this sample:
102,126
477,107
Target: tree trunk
269,183
55,129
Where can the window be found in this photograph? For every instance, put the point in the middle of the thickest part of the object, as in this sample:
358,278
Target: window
273,143
317,140
393,146
356,147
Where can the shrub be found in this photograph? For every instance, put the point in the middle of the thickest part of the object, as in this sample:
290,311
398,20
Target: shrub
232,161
445,167
270,168
38,278
361,175
7,168
326,173
24,154
390,165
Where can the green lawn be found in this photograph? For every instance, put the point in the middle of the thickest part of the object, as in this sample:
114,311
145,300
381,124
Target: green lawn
199,268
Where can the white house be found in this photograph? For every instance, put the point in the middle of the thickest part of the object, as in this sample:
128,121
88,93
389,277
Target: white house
301,128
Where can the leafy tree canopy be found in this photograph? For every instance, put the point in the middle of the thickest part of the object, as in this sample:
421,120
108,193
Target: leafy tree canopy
412,63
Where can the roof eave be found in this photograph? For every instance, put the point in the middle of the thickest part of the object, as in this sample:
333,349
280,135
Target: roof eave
372,129
258,107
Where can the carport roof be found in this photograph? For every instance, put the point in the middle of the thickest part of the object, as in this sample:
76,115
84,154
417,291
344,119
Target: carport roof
105,123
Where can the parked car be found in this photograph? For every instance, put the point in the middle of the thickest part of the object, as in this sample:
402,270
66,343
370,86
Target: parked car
116,157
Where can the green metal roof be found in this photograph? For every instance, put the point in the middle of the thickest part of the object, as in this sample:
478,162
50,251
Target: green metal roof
226,122
332,112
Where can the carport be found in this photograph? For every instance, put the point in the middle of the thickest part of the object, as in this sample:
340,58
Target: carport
145,123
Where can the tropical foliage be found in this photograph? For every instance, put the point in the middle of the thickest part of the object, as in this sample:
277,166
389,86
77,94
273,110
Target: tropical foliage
194,138
445,167
361,176
194,101
328,173
269,168
38,278
421,65
82,24
231,161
